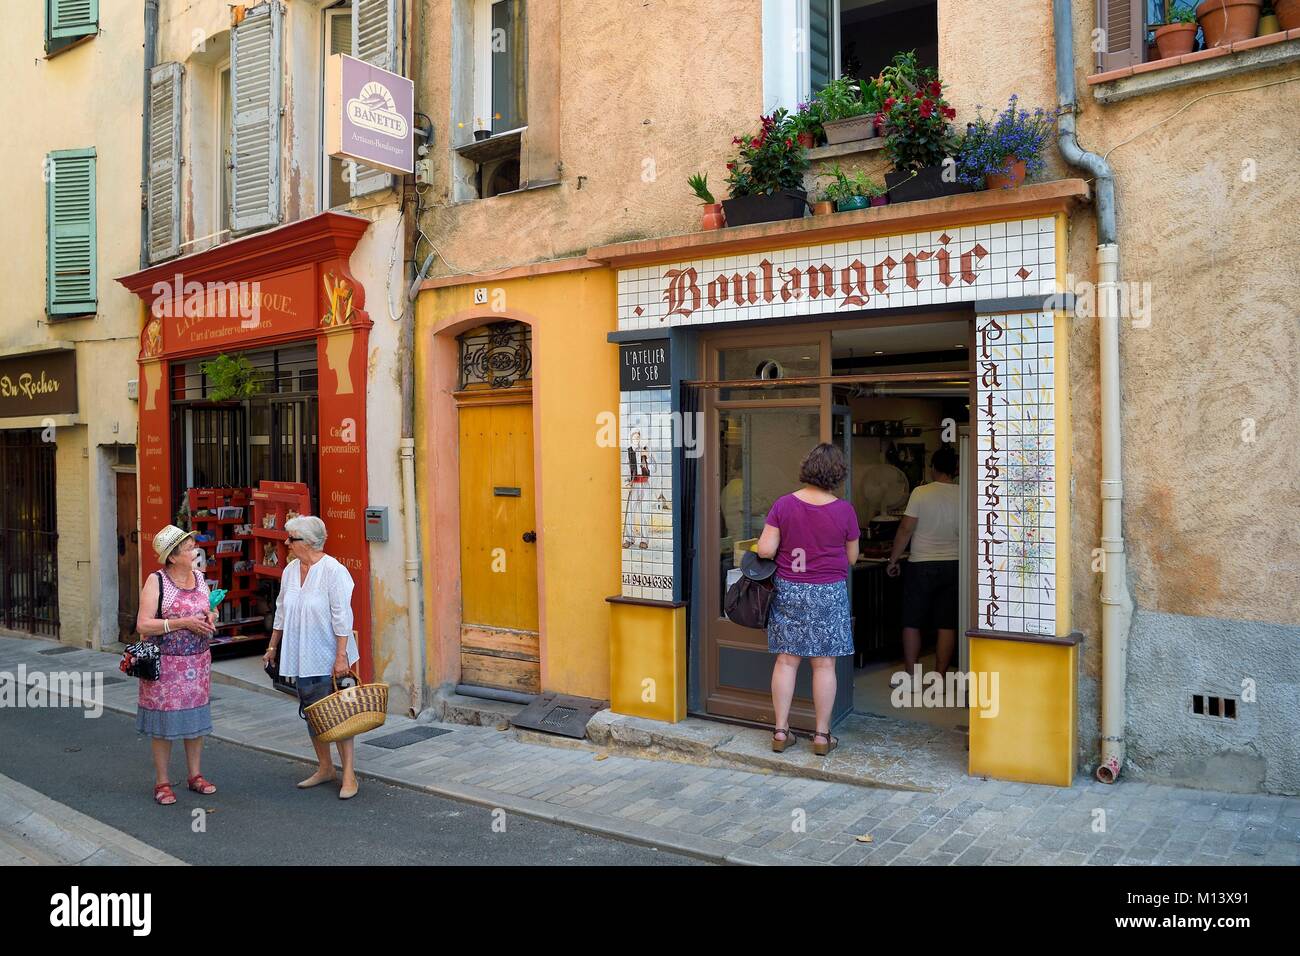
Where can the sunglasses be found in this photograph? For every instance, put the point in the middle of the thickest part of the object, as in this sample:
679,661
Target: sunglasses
292,540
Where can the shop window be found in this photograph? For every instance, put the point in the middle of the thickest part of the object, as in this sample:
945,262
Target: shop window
808,42
68,22
498,355
71,252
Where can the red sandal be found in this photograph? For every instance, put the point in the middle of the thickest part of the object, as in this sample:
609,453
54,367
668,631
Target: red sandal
164,794
199,785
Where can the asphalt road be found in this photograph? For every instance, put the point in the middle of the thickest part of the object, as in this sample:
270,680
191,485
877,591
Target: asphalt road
258,817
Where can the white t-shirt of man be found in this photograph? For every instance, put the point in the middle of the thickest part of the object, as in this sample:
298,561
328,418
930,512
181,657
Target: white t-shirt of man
937,510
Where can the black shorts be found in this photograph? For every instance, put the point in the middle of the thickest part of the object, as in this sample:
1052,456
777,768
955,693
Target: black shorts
930,595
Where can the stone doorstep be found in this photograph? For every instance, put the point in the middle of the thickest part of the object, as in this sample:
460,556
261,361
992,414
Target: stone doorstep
860,760
449,707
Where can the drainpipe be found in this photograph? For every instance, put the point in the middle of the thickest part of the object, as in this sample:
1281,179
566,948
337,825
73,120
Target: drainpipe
150,61
1116,605
410,541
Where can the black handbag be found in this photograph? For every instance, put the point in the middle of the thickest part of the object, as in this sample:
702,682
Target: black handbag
144,660
749,599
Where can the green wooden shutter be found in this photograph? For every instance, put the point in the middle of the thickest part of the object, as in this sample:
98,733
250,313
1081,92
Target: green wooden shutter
65,19
374,39
255,88
70,241
164,186
821,37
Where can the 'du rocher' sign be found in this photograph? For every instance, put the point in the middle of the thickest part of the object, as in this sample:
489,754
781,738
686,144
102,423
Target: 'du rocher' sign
368,115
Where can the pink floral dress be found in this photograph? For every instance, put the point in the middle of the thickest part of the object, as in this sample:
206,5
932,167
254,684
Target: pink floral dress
175,707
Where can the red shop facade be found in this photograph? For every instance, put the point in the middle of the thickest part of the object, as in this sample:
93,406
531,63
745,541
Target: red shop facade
286,291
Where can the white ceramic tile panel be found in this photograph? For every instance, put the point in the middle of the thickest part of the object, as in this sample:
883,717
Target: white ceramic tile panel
646,489
961,264
1015,473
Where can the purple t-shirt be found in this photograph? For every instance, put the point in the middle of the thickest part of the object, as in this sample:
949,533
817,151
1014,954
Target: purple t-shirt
821,531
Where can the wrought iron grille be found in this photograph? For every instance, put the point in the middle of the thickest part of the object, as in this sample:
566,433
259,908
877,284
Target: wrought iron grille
498,355
29,578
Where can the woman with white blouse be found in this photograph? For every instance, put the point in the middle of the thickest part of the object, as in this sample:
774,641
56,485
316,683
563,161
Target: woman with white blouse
313,620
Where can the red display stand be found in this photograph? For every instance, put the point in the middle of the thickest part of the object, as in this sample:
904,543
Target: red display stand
240,617
274,503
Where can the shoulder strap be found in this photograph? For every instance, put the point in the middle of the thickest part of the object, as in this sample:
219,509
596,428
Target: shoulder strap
160,592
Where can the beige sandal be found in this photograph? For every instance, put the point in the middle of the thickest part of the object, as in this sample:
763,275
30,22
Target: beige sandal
780,745
823,749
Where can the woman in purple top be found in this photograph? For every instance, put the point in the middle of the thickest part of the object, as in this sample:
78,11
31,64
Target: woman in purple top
814,537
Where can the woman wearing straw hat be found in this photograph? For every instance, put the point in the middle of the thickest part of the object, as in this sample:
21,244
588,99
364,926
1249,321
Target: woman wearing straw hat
313,618
175,614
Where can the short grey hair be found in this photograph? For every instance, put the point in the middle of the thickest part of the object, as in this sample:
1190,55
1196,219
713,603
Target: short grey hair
308,527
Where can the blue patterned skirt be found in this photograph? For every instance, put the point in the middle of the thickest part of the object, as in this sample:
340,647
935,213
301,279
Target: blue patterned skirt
810,620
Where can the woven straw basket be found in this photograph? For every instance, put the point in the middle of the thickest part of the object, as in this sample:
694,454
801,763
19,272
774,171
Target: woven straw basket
348,712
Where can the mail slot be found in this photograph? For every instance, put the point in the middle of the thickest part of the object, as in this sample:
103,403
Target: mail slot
506,492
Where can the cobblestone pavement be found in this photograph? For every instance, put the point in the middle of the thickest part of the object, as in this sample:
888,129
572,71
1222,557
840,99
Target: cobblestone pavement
744,816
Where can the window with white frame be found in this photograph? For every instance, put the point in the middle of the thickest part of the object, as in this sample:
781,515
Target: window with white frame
338,39
500,65
806,43
221,164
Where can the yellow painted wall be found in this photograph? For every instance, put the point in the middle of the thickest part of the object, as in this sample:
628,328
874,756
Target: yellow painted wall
575,379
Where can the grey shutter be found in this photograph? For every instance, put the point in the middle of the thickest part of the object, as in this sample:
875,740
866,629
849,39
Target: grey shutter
164,186
374,39
1124,33
821,34
72,18
255,85
71,278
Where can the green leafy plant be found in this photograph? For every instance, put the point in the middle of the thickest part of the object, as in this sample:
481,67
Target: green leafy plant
230,377
841,98
1178,14
844,187
808,119
769,162
699,183
902,77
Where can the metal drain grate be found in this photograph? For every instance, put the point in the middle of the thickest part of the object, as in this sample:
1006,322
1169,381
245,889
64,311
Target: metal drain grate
63,649
559,714
404,738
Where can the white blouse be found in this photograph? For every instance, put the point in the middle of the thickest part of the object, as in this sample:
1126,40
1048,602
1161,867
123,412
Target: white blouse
311,614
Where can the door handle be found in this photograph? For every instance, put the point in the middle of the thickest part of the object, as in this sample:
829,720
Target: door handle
530,537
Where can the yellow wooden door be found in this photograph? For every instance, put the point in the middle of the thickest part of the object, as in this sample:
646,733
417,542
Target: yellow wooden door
498,563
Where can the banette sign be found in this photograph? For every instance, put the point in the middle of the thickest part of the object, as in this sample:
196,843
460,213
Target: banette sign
368,115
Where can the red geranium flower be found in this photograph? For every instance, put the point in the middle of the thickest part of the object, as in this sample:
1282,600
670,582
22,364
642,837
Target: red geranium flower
935,88
889,104
926,109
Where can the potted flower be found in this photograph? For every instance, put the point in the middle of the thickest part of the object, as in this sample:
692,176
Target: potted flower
807,124
766,177
999,152
852,192
918,138
1177,35
713,218
1227,21
845,114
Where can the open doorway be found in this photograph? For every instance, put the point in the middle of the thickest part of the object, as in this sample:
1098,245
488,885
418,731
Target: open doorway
906,442
890,395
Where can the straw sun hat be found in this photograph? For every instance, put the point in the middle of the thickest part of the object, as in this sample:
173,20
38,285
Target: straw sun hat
166,541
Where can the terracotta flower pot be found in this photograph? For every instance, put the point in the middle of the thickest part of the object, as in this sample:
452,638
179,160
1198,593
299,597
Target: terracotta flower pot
806,140
713,216
1228,21
1013,177
1288,14
824,208
1175,39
